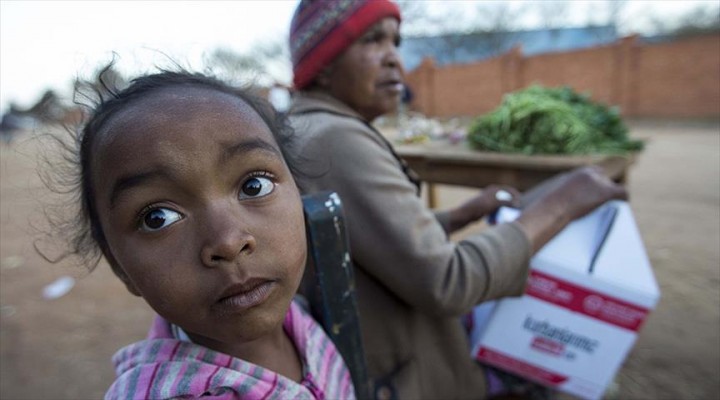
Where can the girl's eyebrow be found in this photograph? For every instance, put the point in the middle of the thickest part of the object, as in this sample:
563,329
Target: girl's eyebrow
125,183
231,150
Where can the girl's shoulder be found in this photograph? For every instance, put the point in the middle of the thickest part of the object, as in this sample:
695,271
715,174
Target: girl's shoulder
325,367
165,367
171,368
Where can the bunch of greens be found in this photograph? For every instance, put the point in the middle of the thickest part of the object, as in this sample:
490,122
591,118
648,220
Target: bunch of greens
540,120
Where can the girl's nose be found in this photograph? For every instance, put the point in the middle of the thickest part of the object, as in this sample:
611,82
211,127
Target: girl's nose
226,240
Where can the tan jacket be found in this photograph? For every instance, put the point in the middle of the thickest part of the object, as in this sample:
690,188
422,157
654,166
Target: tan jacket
413,284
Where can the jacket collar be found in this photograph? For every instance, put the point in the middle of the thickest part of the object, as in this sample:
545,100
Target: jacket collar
314,100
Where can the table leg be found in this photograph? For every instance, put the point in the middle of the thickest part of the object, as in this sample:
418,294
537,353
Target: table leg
432,196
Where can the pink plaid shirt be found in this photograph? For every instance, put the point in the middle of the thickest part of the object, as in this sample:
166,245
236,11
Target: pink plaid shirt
163,367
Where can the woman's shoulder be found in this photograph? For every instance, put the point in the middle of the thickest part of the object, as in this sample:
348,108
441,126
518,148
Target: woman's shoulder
321,122
323,113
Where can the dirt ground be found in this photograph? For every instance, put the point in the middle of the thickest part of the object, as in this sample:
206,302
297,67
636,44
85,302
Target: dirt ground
61,349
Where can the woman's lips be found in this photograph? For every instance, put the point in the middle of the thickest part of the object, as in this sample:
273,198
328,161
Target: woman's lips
243,297
393,86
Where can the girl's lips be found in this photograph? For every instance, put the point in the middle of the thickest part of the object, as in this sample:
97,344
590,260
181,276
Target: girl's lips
243,297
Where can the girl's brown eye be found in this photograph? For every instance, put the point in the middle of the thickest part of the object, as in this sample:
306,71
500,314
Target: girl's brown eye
159,218
256,186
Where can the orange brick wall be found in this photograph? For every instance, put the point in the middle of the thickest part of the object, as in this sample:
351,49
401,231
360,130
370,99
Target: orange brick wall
586,71
681,78
474,84
675,79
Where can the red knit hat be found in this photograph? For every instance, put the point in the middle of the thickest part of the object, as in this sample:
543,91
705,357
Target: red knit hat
322,29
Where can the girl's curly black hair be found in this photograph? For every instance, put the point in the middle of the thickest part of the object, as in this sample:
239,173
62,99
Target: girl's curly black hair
79,227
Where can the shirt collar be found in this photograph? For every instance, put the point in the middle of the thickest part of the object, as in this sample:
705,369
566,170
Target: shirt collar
314,100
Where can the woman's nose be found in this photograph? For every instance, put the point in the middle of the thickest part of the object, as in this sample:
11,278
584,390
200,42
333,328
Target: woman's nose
391,57
226,239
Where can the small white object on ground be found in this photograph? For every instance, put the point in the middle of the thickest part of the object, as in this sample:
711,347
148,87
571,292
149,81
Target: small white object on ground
11,262
59,288
7,311
503,195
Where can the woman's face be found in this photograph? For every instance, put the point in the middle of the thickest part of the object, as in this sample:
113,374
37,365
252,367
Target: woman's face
200,213
369,76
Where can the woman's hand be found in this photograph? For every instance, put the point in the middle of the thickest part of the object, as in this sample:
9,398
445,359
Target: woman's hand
491,198
571,196
486,202
584,189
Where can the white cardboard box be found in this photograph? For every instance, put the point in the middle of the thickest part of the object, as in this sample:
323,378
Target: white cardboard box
588,293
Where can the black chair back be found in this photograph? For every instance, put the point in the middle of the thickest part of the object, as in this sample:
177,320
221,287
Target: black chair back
329,285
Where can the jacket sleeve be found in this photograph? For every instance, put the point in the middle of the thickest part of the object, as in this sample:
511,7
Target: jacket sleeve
398,240
443,217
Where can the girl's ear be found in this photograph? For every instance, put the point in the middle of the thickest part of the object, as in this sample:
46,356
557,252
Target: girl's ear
119,272
126,280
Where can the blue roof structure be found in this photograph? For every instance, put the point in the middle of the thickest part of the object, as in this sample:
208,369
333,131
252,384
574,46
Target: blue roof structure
466,48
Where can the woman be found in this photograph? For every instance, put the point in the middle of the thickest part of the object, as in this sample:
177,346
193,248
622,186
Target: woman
413,284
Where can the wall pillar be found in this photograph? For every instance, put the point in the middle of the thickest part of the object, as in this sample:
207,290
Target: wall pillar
624,87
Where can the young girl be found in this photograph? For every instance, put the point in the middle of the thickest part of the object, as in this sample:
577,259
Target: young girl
186,193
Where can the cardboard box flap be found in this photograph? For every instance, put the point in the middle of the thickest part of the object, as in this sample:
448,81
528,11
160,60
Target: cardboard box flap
622,260
576,247
604,249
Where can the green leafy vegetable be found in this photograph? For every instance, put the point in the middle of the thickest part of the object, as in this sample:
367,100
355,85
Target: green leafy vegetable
540,120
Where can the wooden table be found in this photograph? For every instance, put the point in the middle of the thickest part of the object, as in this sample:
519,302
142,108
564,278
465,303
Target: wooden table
439,162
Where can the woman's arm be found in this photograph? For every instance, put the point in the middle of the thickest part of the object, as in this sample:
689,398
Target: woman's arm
396,239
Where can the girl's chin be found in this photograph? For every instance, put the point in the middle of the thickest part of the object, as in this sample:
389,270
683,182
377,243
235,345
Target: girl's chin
239,330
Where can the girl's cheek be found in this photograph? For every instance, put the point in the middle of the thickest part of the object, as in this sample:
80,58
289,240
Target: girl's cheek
298,238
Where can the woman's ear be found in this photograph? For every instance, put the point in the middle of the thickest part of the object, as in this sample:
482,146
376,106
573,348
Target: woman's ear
323,77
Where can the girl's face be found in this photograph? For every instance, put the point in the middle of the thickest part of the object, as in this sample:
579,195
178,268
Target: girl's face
369,76
201,213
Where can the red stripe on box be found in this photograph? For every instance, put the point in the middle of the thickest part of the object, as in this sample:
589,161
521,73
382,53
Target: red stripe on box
522,368
585,301
548,346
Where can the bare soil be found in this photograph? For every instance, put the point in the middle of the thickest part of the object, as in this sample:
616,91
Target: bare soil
61,348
